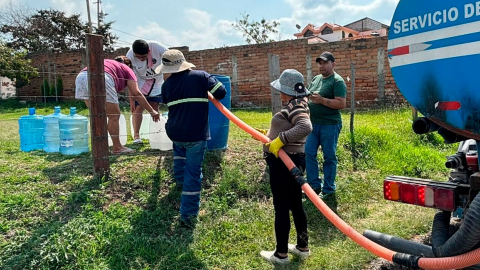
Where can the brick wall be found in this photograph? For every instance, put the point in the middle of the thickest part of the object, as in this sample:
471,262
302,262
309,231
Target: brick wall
248,68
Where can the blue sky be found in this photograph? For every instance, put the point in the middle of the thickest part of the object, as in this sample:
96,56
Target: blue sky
206,24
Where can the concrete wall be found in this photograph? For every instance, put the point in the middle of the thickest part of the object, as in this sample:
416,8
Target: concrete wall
248,68
335,36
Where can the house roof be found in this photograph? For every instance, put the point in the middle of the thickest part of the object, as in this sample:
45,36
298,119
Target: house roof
371,20
317,30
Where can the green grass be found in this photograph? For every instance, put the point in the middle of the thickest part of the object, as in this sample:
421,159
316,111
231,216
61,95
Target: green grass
55,215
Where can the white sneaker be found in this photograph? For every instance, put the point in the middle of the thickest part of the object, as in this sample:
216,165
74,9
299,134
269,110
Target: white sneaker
269,257
295,251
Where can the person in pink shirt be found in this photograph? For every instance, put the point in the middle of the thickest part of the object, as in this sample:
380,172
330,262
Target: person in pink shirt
117,76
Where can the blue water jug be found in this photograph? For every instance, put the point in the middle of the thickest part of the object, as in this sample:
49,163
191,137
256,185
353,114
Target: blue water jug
219,123
31,131
73,133
51,131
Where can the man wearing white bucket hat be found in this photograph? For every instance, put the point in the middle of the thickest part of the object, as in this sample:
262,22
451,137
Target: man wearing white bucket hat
289,129
185,93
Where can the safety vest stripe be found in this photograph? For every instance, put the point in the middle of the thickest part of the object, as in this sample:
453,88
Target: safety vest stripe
190,193
186,100
216,87
178,157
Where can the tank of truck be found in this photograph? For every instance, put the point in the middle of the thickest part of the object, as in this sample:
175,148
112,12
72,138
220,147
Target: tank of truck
434,54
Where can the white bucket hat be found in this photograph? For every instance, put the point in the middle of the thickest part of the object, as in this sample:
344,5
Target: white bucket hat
290,83
173,61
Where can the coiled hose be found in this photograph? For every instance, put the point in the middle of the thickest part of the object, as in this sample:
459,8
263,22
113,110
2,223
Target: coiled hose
466,238
460,261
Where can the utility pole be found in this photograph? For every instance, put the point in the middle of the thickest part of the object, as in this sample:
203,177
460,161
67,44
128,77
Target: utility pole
89,20
99,14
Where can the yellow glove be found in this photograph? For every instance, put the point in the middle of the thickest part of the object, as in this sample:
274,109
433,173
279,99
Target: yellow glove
263,131
274,146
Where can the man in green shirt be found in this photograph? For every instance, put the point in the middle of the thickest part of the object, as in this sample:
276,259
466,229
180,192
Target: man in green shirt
328,98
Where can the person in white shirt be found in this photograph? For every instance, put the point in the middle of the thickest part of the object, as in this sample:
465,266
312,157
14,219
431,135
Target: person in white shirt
146,56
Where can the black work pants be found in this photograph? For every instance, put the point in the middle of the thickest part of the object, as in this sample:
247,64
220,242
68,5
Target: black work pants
287,196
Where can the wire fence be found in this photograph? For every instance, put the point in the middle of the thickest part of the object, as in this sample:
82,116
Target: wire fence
245,93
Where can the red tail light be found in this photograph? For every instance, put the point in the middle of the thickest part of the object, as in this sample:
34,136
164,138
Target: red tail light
444,199
421,195
408,194
434,194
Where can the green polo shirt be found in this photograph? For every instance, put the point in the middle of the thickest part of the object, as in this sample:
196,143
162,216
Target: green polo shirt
331,87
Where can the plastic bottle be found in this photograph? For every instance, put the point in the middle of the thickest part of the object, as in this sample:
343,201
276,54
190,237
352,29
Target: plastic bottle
158,135
51,131
165,115
31,131
122,131
144,128
73,133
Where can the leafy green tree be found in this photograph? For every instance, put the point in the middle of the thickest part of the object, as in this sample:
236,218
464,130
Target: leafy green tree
43,30
256,32
59,86
14,65
45,88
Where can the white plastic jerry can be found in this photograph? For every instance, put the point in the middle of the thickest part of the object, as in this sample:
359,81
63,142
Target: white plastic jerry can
144,127
158,135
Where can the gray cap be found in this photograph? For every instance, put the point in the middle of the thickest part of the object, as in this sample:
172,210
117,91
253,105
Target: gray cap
290,83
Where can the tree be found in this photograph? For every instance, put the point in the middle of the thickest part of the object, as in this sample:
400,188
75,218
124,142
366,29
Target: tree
50,29
15,66
256,32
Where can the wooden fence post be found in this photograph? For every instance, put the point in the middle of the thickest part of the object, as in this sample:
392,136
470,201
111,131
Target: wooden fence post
309,70
98,99
235,80
381,75
274,72
352,116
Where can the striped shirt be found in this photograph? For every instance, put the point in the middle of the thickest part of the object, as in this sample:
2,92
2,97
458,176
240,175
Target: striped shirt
292,124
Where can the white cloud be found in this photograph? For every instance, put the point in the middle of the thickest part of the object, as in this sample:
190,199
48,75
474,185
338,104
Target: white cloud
199,19
153,31
4,3
70,6
202,34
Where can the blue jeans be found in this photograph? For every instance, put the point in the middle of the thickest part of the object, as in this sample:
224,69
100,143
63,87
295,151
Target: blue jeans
187,171
325,136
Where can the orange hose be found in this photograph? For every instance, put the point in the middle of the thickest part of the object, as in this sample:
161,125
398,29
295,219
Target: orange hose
460,261
456,262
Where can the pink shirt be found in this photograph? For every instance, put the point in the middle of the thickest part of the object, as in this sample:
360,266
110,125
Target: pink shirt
121,73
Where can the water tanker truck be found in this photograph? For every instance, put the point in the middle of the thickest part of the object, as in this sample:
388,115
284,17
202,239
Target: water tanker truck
434,56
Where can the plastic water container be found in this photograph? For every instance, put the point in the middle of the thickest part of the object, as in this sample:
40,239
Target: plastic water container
165,115
122,131
31,131
144,127
158,135
73,133
219,123
51,131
